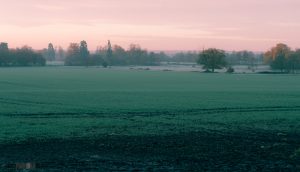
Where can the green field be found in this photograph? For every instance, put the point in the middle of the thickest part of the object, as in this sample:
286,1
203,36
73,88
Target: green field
95,119
62,102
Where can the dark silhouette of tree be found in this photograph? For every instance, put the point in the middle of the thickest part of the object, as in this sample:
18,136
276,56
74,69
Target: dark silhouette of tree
293,61
277,57
4,54
61,54
190,57
163,57
297,59
109,53
119,55
79,55
4,47
138,56
116,55
26,56
212,59
104,64
84,52
73,55
94,60
134,53
50,52
244,57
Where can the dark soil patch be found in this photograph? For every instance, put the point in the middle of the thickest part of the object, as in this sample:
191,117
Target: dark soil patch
204,151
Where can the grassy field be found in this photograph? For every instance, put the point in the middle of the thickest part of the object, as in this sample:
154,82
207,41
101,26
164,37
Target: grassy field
67,103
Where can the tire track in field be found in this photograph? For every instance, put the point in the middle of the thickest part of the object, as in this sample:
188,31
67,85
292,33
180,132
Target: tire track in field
25,102
19,84
19,102
201,111
246,109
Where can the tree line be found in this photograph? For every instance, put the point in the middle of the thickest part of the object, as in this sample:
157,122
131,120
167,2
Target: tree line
213,58
79,55
24,56
281,57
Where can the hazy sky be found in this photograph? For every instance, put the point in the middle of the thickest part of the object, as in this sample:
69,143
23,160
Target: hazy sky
154,24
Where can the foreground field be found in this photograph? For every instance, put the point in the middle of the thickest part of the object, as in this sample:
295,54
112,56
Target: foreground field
92,119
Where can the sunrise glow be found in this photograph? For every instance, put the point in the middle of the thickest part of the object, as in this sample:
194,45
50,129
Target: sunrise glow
156,25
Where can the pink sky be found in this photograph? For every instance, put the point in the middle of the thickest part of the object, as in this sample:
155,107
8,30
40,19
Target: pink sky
156,25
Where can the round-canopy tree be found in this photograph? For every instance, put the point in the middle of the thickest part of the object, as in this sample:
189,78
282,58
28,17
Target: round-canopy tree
212,59
278,57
